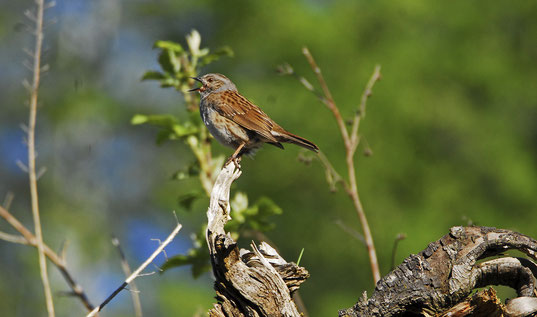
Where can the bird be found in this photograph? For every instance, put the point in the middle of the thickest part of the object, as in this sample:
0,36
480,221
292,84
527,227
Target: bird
238,123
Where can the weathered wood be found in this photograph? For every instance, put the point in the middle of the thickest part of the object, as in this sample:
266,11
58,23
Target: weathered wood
248,283
446,272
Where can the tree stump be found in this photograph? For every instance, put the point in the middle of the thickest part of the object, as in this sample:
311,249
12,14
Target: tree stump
248,283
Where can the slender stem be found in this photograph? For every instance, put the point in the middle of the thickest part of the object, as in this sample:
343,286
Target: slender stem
353,193
137,272
30,239
330,103
31,157
399,237
351,142
127,270
12,238
360,114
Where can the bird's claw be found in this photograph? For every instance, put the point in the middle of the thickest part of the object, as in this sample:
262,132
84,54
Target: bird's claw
235,160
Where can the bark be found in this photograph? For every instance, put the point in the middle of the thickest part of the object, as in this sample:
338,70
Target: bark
440,278
248,283
438,281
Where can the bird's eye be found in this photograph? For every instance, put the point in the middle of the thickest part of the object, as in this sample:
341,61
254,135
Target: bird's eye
210,80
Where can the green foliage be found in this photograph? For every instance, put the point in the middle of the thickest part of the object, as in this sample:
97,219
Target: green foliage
177,66
169,126
187,199
254,217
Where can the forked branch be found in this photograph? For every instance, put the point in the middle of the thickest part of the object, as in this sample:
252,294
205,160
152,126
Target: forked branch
138,271
351,140
29,238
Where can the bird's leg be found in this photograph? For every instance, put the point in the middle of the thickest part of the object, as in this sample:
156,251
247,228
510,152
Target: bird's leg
236,157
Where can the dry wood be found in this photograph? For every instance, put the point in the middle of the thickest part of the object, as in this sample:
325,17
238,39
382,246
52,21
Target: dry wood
441,277
248,283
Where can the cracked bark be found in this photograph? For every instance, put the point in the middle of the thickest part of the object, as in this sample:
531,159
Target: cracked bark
439,280
248,283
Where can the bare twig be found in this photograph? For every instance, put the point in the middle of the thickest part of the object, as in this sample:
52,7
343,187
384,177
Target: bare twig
360,114
398,238
328,100
37,17
12,238
353,233
351,142
31,240
136,273
127,270
8,200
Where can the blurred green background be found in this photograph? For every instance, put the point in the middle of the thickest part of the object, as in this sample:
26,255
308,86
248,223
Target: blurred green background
452,126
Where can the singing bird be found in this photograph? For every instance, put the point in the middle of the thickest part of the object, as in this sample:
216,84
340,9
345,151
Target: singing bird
236,122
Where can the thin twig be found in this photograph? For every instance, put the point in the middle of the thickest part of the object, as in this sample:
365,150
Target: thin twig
30,239
38,18
332,176
330,103
136,273
398,238
135,294
360,114
8,200
351,142
12,238
351,232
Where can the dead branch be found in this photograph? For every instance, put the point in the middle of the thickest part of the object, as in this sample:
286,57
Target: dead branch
138,271
248,283
440,278
127,270
57,260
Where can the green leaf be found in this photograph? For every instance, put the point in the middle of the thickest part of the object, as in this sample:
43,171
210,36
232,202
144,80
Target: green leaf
169,45
224,51
186,129
168,61
139,119
209,58
267,207
192,170
163,136
197,256
153,75
170,82
164,120
256,217
186,200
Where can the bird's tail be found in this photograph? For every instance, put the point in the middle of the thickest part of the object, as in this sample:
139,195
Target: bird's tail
288,137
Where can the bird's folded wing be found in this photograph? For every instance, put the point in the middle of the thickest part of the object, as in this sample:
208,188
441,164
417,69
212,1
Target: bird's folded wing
241,111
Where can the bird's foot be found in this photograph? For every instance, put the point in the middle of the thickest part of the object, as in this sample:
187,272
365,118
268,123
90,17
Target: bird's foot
235,160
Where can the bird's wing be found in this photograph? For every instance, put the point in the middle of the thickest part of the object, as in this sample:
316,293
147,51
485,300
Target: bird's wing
241,111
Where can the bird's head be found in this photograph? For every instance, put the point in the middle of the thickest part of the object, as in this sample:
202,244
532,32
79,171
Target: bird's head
211,83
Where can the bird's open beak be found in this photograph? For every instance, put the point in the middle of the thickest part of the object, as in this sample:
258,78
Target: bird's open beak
197,88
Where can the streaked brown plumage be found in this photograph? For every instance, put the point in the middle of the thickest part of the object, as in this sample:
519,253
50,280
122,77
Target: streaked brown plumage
236,122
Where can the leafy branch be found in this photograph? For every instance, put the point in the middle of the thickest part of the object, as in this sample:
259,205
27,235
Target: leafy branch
178,65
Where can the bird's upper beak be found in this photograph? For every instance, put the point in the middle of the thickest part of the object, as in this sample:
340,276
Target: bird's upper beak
197,88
